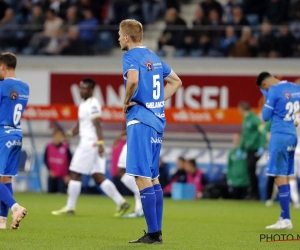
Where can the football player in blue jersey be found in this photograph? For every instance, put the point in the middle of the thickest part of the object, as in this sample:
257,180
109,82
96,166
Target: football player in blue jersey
282,102
13,100
144,74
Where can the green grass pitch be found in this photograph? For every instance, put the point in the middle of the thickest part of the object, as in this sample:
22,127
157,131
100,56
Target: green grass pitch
203,224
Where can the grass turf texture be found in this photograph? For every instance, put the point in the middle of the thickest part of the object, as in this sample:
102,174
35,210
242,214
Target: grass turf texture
204,224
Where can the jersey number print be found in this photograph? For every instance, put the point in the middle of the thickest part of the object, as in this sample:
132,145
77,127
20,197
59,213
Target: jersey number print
292,108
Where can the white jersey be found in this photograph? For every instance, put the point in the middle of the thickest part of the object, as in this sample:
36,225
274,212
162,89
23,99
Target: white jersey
86,159
88,110
297,151
297,154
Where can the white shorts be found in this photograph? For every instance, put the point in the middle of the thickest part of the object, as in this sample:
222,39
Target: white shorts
123,157
86,160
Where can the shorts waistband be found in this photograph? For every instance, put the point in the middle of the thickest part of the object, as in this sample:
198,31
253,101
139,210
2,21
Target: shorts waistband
133,122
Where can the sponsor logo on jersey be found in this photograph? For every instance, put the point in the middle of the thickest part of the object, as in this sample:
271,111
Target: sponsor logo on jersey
156,140
154,105
149,65
157,65
287,95
160,115
13,143
13,95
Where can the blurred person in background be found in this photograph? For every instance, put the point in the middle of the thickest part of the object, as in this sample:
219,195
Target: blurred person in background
57,158
173,32
228,41
276,11
194,176
151,10
88,29
40,41
178,176
286,42
73,45
55,43
254,9
237,172
246,46
72,16
238,20
8,29
208,5
95,5
35,24
266,43
195,41
252,142
3,7
294,22
176,4
216,31
293,180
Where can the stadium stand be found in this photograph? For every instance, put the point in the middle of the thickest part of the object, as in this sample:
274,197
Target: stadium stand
89,27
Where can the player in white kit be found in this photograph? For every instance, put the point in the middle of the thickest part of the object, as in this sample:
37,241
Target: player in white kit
89,155
129,181
293,180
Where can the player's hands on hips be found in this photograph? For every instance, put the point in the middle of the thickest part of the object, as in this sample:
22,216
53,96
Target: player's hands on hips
127,106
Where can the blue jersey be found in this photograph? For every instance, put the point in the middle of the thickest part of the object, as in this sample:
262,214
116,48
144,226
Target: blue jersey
13,99
282,102
149,94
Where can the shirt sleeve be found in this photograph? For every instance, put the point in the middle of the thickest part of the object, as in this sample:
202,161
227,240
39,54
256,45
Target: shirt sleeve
269,105
129,63
94,109
166,69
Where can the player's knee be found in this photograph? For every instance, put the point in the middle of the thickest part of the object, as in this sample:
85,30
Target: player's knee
121,172
98,178
75,176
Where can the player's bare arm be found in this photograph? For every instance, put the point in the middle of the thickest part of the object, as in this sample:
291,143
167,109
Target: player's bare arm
173,83
74,131
98,125
131,86
297,118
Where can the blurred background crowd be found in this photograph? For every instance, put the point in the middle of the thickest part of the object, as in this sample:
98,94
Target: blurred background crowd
224,28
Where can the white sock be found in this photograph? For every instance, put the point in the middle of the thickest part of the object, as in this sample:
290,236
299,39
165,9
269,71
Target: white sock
294,191
15,207
74,189
130,183
111,191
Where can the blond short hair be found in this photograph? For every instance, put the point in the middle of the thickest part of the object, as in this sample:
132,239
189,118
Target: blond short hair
132,28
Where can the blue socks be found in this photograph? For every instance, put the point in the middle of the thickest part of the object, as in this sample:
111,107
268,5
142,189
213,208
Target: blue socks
6,196
148,199
159,204
284,200
3,207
